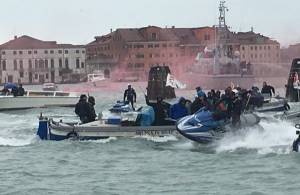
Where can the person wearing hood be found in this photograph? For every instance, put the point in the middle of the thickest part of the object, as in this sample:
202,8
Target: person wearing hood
178,110
199,92
82,109
92,113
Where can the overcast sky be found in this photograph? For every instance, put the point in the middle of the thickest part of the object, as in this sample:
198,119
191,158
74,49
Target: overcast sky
78,21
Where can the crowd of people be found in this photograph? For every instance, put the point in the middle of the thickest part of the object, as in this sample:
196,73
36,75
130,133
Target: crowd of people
229,105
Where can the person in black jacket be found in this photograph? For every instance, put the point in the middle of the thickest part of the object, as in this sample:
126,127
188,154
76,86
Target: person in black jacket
92,114
159,110
82,109
130,95
268,89
21,91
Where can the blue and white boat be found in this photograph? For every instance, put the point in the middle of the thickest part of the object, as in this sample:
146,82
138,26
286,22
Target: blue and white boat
121,124
203,128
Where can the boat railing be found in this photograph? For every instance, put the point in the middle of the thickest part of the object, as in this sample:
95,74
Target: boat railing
30,93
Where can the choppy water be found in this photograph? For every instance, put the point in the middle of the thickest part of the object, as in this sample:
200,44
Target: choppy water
255,161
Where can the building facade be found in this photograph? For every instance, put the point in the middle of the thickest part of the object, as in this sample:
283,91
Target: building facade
31,61
129,53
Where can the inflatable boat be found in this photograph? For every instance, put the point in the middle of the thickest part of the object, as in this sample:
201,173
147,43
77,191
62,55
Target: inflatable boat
203,128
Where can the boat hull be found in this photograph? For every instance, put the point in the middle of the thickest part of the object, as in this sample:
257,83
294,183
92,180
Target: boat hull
25,102
51,130
207,132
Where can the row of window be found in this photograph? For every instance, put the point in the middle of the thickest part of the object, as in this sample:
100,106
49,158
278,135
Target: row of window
156,45
43,64
45,52
260,55
157,55
260,47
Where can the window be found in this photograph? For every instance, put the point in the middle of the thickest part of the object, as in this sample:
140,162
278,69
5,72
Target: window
139,55
150,45
66,51
206,37
77,51
243,48
29,52
269,47
255,48
251,48
46,63
260,47
21,64
47,76
164,45
83,51
82,64
3,65
30,64
20,52
60,51
3,52
52,63
150,55
171,55
60,63
21,74
15,52
157,55
51,52
36,64
67,63
36,76
156,45
35,51
153,36
15,65
170,45
46,52
41,63
77,63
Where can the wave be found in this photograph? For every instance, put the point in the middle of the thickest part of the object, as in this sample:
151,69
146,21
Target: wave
269,137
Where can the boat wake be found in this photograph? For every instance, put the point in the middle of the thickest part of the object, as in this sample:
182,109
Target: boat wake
157,139
272,137
5,141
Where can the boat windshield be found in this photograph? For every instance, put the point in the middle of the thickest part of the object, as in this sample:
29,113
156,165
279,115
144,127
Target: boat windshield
40,93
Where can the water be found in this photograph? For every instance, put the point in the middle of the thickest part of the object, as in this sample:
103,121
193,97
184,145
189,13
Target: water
255,161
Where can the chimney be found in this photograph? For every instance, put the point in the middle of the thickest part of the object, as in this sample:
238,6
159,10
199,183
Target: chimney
173,26
111,30
15,36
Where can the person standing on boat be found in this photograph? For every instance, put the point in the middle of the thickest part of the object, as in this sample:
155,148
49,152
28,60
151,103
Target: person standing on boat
159,109
82,109
92,114
20,90
130,95
178,110
268,89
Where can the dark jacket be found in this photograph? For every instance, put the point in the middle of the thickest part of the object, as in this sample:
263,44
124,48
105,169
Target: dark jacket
178,111
92,114
21,91
82,109
268,89
130,95
159,110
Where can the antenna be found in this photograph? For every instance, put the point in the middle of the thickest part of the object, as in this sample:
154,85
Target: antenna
222,18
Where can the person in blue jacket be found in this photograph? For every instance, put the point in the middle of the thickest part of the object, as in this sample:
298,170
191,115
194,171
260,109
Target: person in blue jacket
179,110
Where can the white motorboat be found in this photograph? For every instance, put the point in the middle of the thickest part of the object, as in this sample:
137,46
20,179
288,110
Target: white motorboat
37,99
96,78
50,87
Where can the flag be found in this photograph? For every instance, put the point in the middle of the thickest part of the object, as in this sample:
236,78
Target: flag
174,83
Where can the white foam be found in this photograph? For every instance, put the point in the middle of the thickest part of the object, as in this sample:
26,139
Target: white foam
159,139
15,141
273,137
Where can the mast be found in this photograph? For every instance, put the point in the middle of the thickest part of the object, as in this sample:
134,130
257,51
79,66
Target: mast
221,36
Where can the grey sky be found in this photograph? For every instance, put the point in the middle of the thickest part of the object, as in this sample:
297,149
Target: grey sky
78,21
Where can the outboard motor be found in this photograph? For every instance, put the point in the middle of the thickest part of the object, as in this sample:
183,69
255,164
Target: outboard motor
157,84
293,85
43,127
